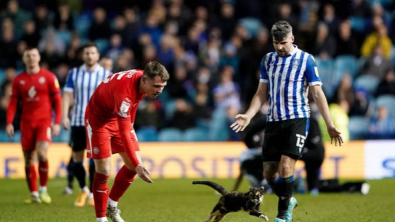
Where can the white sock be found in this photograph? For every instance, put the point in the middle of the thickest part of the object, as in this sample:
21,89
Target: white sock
112,203
90,195
34,193
85,189
42,189
101,219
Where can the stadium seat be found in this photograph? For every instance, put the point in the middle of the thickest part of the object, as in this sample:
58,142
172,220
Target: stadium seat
5,139
147,134
63,137
357,23
366,82
219,129
102,44
358,127
170,107
195,134
346,63
387,101
82,24
325,69
65,36
170,135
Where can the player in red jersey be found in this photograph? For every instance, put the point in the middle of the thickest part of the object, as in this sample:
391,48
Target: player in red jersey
38,91
109,119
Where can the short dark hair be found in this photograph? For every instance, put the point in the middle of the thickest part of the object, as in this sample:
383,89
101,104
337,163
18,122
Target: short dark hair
88,45
154,68
280,30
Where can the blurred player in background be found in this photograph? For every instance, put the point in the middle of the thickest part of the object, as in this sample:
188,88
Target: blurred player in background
109,120
286,75
80,84
37,90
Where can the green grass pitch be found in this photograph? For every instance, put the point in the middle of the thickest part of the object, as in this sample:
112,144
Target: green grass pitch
173,200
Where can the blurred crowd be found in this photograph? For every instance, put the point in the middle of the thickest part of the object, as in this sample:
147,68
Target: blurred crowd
212,49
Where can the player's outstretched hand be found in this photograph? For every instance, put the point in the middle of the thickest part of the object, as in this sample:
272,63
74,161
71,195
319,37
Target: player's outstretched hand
335,136
242,121
9,129
143,173
66,123
55,130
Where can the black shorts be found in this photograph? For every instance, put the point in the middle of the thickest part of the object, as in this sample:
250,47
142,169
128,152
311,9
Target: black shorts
78,138
284,138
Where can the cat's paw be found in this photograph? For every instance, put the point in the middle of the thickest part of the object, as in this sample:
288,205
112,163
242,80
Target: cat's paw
264,217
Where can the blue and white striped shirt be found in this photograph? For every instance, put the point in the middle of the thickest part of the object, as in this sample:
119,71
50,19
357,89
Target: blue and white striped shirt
288,79
83,83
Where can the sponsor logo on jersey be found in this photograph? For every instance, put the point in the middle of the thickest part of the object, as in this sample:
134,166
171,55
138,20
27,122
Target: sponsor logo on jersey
295,63
56,83
32,92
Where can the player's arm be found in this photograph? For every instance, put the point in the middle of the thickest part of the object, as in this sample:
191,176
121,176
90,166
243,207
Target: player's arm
320,99
56,102
129,138
11,110
67,100
257,101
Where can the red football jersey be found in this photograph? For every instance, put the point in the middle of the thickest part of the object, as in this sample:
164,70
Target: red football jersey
117,96
38,93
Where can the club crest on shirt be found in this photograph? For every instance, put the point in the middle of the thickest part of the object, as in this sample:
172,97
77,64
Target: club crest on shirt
41,80
123,110
22,82
295,63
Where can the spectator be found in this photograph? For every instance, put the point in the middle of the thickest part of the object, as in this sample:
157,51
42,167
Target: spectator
227,92
8,53
50,37
115,48
324,43
30,35
346,42
100,28
63,19
149,114
387,84
227,21
41,18
183,117
329,17
379,37
107,63
10,73
362,105
376,64
345,90
17,15
382,126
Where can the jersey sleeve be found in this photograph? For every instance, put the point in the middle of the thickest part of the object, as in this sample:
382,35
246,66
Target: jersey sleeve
311,72
262,67
69,86
125,112
54,90
15,96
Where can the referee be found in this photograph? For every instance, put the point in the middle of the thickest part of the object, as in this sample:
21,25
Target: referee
80,84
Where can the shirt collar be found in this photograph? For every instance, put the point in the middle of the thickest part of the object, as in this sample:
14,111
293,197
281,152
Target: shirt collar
98,67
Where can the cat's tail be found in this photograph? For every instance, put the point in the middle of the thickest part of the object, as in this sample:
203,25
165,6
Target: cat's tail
215,186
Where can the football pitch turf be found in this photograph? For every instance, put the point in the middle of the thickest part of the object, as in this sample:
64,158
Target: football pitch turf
172,200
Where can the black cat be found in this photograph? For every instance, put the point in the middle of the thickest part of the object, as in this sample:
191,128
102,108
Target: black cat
233,201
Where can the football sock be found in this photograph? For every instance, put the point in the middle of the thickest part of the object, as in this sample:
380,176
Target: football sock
121,183
100,194
101,219
91,173
80,174
70,173
111,203
285,190
42,189
31,178
274,184
43,172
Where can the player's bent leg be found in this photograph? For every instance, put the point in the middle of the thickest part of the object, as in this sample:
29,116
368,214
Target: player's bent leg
100,187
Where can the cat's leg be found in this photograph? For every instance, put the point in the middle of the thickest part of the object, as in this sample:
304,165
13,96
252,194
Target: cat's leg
259,214
213,213
219,217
